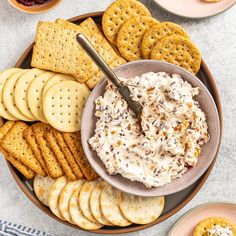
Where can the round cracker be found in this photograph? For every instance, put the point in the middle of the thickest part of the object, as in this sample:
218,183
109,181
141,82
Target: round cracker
42,187
109,201
95,204
179,51
157,32
77,215
34,95
131,34
141,210
84,198
3,78
117,13
54,194
209,223
21,89
55,79
63,105
8,96
65,196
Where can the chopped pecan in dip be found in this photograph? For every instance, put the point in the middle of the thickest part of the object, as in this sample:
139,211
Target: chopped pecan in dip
173,129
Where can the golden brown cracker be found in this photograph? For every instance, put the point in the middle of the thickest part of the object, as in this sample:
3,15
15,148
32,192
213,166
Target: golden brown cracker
5,128
31,140
179,51
209,223
24,170
15,144
59,154
157,32
92,82
56,49
74,143
131,34
52,164
96,38
68,155
117,13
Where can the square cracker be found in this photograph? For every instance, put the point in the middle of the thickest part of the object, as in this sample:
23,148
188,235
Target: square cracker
93,81
25,170
52,164
74,143
15,144
56,49
5,128
49,135
30,139
68,155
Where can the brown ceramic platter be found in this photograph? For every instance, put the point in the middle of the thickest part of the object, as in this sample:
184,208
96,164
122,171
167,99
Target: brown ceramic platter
174,202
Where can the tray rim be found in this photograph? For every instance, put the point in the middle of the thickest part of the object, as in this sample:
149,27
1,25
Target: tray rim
134,228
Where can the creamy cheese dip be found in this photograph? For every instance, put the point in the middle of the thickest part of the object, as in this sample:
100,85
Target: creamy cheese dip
218,230
173,129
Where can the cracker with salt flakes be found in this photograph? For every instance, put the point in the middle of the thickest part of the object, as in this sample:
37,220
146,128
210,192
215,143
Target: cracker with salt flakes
84,197
141,210
117,13
179,51
63,105
78,216
15,144
109,201
157,32
95,205
131,34
54,195
65,196
42,187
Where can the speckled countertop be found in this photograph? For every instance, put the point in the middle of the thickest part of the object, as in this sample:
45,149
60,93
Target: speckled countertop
216,38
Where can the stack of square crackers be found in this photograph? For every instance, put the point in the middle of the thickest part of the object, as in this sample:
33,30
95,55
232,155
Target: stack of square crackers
41,149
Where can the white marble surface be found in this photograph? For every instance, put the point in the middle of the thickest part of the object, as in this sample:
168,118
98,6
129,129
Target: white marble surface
216,38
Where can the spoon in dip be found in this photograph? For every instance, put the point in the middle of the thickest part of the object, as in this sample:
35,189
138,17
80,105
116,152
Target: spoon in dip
110,75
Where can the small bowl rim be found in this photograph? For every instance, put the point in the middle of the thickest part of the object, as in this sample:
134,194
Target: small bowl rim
108,177
26,9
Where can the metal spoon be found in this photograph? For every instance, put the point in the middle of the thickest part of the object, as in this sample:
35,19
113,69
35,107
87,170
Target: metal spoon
110,75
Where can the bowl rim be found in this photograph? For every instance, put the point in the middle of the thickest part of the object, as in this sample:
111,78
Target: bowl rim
134,228
92,156
189,212
26,9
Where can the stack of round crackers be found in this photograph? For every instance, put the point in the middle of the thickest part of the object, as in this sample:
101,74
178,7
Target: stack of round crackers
39,95
128,25
93,204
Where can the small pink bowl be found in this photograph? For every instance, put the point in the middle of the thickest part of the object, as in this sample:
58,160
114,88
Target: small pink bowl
208,150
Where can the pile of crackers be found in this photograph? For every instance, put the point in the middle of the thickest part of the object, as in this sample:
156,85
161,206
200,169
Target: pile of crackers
93,204
41,149
131,33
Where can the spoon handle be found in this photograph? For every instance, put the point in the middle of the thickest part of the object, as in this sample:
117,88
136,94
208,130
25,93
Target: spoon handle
93,54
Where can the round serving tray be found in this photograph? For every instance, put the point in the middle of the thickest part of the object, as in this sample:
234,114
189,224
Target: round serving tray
174,202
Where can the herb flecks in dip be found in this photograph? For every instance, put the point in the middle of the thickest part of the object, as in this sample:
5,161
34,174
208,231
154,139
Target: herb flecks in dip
173,129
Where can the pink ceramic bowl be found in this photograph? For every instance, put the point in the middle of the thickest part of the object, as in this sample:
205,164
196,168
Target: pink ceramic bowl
208,150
